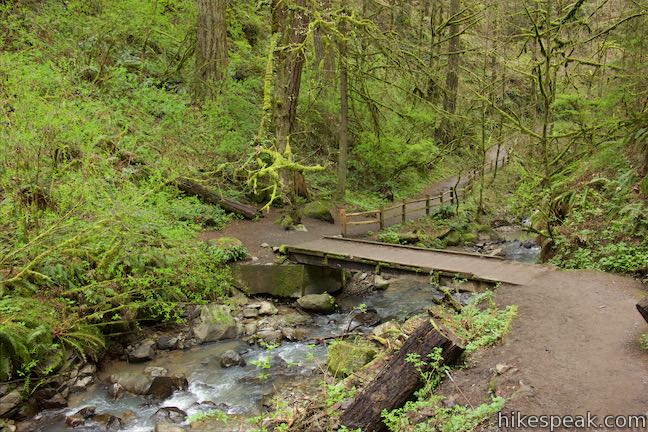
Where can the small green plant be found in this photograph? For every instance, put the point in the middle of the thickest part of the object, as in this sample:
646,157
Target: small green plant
215,414
337,392
263,363
643,342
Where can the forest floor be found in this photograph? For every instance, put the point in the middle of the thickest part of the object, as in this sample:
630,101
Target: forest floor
572,349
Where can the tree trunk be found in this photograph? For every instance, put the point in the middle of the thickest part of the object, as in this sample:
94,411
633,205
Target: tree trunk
211,50
343,154
192,188
454,46
398,380
290,24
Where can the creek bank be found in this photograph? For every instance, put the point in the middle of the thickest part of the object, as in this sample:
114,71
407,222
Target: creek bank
278,349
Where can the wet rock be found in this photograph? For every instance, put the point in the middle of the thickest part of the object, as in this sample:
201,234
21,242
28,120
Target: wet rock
74,420
107,423
231,358
300,228
56,401
267,308
324,303
214,323
380,283
145,351
9,402
132,382
270,336
169,415
293,334
167,342
128,416
116,391
163,387
81,383
156,371
250,312
79,418
369,318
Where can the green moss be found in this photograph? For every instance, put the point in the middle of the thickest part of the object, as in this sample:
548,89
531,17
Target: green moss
453,238
344,358
468,237
318,210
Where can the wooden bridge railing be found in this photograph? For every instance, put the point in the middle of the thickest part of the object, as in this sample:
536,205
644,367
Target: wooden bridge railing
384,215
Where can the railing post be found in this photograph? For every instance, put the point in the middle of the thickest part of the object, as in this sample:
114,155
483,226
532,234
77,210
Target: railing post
452,195
441,197
427,205
382,218
491,165
404,212
343,222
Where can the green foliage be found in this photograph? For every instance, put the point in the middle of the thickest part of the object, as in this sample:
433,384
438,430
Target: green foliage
643,341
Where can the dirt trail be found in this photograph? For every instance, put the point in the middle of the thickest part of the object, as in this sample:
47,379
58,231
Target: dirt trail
573,347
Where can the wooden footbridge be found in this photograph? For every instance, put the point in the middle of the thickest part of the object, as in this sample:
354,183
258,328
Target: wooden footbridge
364,255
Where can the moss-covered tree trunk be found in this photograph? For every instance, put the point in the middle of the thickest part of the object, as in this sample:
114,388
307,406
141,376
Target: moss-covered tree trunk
343,155
211,48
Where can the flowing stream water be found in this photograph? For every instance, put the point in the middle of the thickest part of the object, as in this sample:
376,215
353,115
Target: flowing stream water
242,390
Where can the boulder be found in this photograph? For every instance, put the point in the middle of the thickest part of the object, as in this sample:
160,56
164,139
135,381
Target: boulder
145,351
344,358
214,323
132,382
250,312
267,308
324,303
9,402
79,418
368,318
231,358
156,371
106,423
171,415
289,280
163,387
270,336
318,210
167,342
380,283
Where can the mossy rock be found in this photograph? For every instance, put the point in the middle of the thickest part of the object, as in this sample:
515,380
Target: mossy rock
453,238
318,210
344,358
469,237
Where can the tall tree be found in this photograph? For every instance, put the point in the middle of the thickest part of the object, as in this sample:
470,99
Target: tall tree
454,48
344,117
211,48
289,25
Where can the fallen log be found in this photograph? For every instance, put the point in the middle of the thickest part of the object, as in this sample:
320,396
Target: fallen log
192,188
642,307
398,380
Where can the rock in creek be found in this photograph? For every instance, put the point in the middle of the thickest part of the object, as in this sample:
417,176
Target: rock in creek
77,419
168,427
167,342
231,358
368,318
106,423
380,283
145,351
9,401
214,323
163,387
169,415
324,303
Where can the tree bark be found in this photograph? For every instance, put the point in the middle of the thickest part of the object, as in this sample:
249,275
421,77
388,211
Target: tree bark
192,188
454,46
398,380
211,49
290,23
343,154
